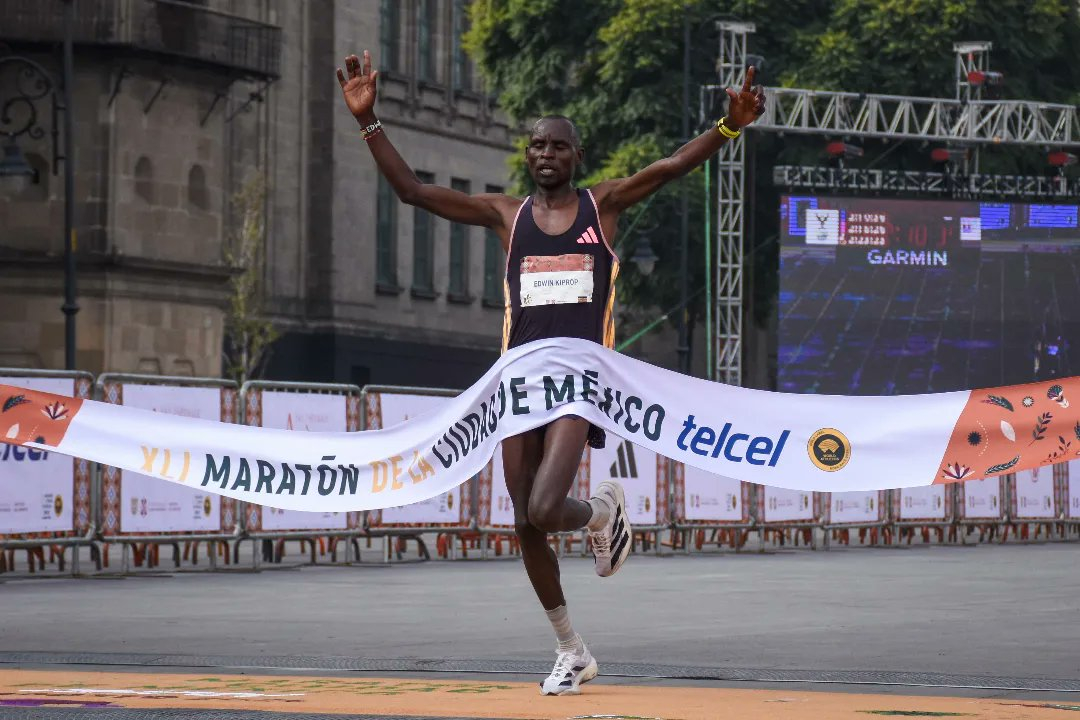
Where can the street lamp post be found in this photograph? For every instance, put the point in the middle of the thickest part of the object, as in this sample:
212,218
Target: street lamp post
71,306
19,116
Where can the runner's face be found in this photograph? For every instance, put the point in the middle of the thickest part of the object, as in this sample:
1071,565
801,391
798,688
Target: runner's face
551,155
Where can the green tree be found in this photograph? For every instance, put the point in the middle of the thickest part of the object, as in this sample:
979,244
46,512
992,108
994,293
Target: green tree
905,46
615,66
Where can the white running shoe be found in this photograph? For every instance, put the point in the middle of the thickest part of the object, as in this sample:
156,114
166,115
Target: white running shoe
611,545
574,665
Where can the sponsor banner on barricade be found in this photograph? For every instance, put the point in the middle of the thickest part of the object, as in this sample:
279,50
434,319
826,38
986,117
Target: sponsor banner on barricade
133,503
495,509
923,504
385,409
702,497
981,499
854,508
42,493
1033,495
642,474
303,411
1071,489
778,505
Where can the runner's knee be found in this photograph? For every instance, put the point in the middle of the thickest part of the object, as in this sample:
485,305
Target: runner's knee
527,533
545,515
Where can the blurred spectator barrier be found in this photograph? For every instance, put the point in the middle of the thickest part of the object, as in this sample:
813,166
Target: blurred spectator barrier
981,504
141,512
1034,501
448,514
867,512
929,508
303,407
703,501
783,514
45,498
1070,495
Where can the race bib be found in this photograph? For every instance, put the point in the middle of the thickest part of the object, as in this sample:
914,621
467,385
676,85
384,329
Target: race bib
553,280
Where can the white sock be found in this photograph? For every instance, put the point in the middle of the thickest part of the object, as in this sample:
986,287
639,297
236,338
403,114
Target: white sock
600,514
560,621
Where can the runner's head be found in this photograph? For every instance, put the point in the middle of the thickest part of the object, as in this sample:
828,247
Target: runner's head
554,151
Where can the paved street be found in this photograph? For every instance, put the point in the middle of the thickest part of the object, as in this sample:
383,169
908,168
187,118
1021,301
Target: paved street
987,610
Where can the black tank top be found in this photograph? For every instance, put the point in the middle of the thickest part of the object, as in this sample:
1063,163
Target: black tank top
560,285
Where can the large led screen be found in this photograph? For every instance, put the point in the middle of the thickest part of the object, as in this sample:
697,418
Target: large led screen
885,296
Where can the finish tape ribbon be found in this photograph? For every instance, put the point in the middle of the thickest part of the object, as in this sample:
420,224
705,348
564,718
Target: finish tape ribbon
802,442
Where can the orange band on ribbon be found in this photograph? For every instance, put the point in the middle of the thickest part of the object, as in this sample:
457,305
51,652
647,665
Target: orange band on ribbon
1017,425
30,416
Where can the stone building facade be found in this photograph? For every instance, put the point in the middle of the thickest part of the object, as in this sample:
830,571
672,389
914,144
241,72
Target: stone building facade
177,104
153,86
365,288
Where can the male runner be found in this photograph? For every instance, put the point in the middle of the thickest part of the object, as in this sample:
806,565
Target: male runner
566,234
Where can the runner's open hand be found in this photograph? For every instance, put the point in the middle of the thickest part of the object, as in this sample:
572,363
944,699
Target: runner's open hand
359,89
748,103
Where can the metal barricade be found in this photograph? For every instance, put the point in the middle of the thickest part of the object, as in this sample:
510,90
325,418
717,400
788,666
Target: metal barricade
785,511
843,512
981,504
931,507
448,514
313,407
1034,501
494,508
704,501
44,505
207,398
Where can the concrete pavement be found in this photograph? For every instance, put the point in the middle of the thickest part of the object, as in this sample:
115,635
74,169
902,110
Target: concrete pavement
988,610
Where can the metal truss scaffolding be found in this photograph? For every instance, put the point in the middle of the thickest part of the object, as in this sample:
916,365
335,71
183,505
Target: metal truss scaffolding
965,121
928,183
731,187
996,122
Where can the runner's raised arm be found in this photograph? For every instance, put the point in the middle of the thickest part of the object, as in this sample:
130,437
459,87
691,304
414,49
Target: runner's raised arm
359,89
614,196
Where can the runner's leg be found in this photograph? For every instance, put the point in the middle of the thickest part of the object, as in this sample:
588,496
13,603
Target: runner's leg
548,458
550,508
522,455
540,467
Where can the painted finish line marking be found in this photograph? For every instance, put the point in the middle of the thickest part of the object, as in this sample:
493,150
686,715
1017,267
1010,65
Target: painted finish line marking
155,693
247,688
202,695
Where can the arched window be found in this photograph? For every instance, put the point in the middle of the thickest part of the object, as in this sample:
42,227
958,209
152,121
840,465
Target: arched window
144,179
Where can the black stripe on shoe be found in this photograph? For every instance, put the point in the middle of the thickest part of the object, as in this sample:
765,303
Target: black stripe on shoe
623,541
618,526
